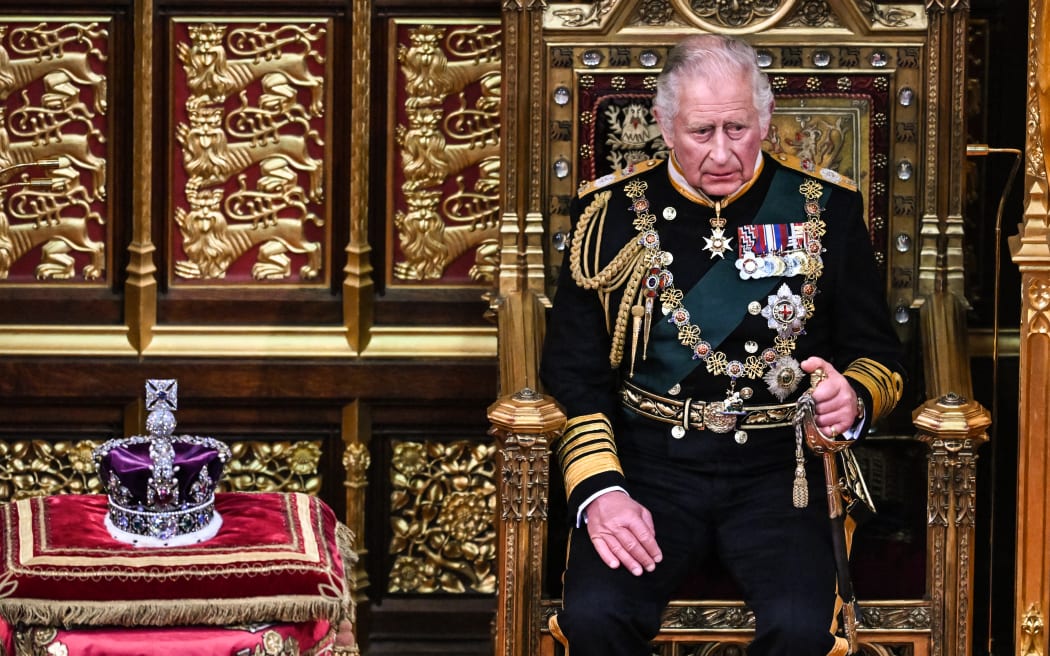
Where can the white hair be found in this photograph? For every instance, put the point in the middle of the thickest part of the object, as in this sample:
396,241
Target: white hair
712,57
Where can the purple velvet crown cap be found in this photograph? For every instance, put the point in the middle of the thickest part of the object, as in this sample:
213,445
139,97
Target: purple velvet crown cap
161,487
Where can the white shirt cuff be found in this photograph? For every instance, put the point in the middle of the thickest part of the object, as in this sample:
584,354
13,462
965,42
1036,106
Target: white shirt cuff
580,518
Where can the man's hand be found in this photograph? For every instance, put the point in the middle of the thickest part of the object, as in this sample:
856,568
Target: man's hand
835,402
622,532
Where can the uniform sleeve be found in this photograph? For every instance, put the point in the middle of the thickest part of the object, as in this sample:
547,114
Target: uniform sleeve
576,371
868,351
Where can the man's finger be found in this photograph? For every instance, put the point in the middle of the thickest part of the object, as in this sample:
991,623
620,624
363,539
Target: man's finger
603,552
645,532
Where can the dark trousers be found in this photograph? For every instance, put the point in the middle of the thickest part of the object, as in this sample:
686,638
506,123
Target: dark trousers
780,556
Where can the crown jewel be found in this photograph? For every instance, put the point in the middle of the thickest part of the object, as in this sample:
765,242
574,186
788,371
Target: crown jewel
161,487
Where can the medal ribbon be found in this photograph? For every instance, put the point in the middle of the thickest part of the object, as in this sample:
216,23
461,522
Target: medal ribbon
718,301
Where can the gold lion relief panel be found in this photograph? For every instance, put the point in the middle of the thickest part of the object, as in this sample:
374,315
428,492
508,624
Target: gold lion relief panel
250,160
54,122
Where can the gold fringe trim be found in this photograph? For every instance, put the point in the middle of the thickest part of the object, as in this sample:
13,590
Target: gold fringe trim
173,612
181,612
344,539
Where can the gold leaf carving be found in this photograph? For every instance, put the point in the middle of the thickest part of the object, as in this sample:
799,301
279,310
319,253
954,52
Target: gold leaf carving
45,123
356,461
245,123
451,139
1032,626
442,506
749,15
274,467
39,468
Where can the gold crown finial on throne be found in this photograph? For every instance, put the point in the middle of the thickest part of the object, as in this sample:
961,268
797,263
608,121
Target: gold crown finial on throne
161,487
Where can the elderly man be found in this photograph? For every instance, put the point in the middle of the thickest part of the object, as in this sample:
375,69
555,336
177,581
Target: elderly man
697,293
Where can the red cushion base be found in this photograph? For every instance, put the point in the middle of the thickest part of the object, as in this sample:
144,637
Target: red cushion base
301,638
278,557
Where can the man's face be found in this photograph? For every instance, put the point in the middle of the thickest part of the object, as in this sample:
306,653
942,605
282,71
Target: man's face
716,135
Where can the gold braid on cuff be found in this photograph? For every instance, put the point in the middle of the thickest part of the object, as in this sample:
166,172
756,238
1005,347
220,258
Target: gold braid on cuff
885,386
586,448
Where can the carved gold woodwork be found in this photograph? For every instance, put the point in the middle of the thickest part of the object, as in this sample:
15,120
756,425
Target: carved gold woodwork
704,627
524,426
1032,626
357,435
1030,251
358,283
448,145
742,16
140,287
274,466
251,140
53,105
36,467
442,501
953,428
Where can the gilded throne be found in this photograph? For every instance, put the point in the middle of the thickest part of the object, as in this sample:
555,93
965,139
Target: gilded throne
860,89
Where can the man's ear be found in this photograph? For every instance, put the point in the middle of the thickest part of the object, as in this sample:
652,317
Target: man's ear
668,137
769,121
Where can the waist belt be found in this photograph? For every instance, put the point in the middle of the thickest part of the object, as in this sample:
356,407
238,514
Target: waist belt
701,415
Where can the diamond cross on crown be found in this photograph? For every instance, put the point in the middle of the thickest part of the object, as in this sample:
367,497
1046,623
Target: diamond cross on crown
162,391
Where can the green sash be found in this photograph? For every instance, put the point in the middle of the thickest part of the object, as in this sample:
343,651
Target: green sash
718,301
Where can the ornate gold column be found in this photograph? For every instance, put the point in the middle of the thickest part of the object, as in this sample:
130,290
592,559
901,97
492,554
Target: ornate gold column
948,423
520,299
357,435
1030,250
524,422
941,263
524,426
953,428
140,290
358,286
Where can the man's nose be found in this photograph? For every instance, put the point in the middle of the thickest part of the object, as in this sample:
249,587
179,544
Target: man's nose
720,147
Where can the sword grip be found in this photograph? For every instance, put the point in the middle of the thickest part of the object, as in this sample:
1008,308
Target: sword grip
831,479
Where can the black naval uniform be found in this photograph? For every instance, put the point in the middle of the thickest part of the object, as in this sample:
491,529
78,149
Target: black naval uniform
726,492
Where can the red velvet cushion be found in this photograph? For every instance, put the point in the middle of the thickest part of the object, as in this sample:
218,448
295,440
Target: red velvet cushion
277,557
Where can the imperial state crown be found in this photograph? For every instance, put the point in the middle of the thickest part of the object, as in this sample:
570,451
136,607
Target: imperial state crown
160,487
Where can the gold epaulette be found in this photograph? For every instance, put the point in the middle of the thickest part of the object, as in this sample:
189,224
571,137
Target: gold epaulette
807,167
587,187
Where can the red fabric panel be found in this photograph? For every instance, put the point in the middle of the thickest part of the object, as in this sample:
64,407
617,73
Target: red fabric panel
274,551
6,639
310,637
